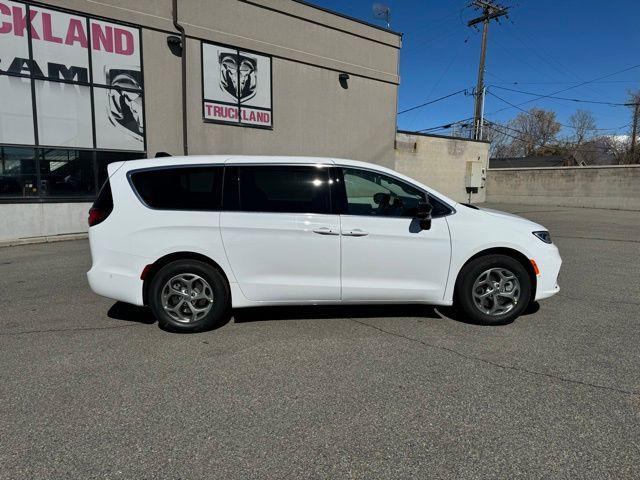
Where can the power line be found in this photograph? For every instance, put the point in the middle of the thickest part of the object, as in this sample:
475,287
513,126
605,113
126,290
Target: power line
433,25
536,50
557,83
445,126
462,123
444,73
614,104
490,12
433,101
565,89
498,126
446,34
494,125
530,114
518,58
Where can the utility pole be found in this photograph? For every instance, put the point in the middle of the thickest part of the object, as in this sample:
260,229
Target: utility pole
634,130
490,11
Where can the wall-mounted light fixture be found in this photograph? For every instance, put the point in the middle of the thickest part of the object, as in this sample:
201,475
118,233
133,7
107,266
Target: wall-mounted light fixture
175,45
343,79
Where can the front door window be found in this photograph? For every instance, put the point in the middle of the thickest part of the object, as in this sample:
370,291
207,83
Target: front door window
374,194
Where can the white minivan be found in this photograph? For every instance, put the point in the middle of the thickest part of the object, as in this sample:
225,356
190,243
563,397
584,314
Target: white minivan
192,237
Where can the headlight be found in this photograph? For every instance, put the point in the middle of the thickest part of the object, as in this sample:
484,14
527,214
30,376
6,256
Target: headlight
544,236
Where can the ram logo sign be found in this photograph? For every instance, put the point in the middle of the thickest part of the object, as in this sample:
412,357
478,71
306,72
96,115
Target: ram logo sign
237,86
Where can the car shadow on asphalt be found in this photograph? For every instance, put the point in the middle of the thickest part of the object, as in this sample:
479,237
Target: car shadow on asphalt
318,312
132,313
358,311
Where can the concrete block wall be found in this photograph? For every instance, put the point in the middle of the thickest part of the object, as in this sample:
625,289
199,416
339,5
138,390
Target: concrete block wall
25,221
611,186
440,162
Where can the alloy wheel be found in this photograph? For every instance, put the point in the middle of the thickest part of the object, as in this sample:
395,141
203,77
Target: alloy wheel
496,291
187,297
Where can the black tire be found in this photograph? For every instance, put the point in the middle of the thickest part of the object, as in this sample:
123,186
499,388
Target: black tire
464,298
215,317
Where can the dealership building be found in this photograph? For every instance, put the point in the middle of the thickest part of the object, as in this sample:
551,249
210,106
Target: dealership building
87,82
84,83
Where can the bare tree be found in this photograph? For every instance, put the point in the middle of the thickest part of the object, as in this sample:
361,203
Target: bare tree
634,152
584,126
618,146
535,129
580,145
498,139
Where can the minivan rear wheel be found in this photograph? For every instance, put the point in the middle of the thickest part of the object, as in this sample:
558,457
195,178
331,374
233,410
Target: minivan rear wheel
189,296
493,289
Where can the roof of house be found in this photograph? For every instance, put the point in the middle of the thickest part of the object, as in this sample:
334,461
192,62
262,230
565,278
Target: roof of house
527,162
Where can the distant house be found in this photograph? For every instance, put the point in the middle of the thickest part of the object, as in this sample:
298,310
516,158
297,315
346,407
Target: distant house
527,162
595,152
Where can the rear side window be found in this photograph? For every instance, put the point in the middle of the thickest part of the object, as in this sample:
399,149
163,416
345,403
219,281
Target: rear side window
286,189
104,201
182,188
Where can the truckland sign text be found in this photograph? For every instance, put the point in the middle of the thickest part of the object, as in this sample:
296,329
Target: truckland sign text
70,58
237,86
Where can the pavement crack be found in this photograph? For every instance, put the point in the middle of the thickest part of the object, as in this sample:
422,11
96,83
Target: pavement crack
604,300
79,329
495,364
596,238
524,212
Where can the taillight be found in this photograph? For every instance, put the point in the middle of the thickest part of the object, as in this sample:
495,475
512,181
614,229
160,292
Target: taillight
97,215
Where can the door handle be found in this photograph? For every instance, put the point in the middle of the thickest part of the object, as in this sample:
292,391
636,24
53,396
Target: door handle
355,233
324,231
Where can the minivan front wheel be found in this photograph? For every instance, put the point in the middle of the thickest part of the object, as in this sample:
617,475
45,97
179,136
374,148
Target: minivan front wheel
189,296
494,289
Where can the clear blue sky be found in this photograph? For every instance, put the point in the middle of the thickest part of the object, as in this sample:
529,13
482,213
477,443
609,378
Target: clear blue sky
545,46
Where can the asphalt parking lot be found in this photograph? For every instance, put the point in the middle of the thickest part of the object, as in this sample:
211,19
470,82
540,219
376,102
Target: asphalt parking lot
93,389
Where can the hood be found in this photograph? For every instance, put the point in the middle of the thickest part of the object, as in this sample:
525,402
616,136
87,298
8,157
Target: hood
513,219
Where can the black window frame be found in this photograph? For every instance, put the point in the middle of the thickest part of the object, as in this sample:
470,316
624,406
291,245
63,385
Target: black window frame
39,156
231,187
37,146
341,201
220,166
33,78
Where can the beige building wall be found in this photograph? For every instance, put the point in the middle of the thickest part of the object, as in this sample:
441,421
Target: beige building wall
26,221
441,162
312,113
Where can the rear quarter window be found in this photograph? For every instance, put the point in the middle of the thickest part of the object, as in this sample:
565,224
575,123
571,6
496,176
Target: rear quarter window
181,188
104,201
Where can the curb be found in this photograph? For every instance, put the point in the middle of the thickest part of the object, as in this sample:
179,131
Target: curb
46,239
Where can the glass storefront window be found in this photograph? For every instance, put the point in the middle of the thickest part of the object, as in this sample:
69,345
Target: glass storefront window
71,101
51,174
18,174
67,173
75,82
105,158
64,114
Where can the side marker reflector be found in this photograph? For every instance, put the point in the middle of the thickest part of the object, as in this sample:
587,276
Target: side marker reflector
535,267
146,269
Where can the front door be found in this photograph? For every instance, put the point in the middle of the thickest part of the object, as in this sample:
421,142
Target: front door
280,237
385,254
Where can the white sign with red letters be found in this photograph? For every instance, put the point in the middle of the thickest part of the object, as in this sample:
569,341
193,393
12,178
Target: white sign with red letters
236,86
71,59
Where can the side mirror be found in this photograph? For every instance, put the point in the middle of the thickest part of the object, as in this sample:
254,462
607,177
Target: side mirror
423,213
381,198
